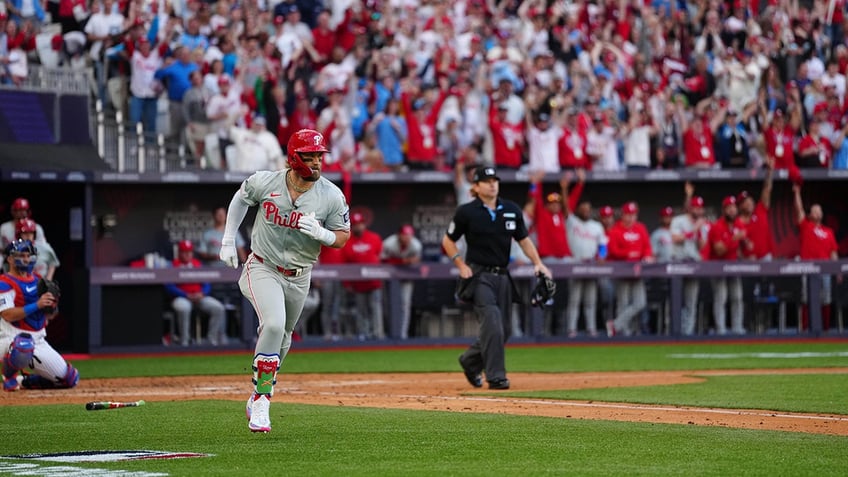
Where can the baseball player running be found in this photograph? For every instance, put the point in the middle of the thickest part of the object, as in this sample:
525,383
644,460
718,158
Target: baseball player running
25,311
298,212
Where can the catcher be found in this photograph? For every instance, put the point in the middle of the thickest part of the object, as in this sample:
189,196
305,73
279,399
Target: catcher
27,303
489,225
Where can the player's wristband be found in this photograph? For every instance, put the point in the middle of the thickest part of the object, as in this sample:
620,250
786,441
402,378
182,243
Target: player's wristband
30,309
326,237
454,257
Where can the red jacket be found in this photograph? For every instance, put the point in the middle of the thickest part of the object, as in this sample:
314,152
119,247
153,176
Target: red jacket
363,249
629,244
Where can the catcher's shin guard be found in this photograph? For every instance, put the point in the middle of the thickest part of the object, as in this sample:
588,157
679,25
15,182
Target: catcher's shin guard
265,369
20,352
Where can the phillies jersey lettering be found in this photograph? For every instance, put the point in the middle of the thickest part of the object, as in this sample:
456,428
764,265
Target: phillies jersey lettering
272,215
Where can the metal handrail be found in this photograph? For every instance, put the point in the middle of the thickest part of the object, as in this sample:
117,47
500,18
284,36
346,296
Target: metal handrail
61,80
128,148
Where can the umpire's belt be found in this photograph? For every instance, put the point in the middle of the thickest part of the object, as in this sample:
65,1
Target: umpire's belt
490,269
288,272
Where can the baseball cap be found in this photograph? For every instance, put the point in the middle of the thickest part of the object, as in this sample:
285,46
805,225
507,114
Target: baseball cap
278,20
502,106
483,173
544,117
696,201
20,204
666,212
357,218
629,208
223,80
605,211
260,120
185,246
742,196
553,197
729,200
407,229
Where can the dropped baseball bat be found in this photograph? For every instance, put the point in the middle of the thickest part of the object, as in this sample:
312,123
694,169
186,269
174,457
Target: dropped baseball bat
98,405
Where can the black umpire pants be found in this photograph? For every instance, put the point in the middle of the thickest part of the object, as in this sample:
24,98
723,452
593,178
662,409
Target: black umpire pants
493,307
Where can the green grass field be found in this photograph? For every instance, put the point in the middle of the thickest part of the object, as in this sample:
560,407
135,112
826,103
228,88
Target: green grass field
332,440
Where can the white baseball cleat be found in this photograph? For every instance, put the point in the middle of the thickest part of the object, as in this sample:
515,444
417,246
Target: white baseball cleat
258,413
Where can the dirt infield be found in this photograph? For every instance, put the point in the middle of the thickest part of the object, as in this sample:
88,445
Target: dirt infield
450,392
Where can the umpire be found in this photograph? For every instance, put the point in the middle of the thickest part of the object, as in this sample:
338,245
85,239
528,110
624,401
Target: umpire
489,225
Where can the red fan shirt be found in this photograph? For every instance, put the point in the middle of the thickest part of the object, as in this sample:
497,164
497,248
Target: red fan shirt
817,241
779,146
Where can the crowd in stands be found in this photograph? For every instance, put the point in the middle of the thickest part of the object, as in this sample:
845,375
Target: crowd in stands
421,84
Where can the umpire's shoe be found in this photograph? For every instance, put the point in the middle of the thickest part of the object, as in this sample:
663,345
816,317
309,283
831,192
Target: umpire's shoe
474,378
499,384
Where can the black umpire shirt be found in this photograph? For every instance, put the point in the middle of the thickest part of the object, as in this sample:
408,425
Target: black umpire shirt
488,233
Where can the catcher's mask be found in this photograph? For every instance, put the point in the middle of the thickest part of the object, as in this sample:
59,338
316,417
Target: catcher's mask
305,140
24,252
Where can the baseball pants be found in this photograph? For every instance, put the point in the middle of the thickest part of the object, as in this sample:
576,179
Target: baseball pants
215,309
631,299
493,307
690,306
722,288
278,301
585,291
46,361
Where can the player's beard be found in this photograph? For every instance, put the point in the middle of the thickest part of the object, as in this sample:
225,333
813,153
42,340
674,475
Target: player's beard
316,174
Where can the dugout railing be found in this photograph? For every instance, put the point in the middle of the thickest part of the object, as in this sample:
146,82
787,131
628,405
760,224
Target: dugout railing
106,281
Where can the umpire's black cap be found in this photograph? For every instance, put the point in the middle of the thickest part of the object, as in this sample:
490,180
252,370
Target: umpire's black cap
483,173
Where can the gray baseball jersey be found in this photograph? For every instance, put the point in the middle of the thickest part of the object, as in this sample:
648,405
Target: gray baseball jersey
661,244
392,250
584,237
688,250
275,237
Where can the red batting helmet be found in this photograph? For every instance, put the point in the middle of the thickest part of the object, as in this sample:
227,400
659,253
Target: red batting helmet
305,140
20,204
24,226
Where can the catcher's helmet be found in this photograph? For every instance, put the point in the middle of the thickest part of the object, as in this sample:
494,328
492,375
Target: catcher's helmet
23,226
20,204
20,246
305,140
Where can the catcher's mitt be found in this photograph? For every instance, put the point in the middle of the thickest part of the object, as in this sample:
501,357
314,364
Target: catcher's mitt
543,292
44,286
